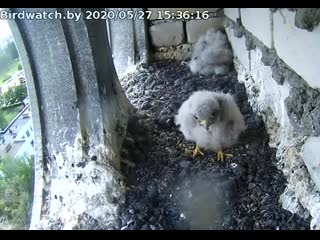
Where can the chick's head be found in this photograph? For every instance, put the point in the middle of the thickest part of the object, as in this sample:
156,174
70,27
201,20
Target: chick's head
207,113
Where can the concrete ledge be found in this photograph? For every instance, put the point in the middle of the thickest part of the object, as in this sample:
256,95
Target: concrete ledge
239,48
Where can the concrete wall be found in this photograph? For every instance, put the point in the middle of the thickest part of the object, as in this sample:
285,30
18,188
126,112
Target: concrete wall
277,56
173,32
127,51
78,130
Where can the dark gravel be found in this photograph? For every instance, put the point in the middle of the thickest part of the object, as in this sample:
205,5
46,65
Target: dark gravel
168,189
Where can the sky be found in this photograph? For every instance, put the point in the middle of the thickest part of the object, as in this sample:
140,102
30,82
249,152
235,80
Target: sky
4,30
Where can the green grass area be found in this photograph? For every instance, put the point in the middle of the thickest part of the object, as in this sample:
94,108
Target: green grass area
7,115
16,189
11,70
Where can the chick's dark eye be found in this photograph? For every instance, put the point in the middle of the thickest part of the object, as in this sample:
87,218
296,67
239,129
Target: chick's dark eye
196,117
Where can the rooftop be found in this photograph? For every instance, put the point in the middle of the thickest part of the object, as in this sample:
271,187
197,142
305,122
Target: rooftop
10,136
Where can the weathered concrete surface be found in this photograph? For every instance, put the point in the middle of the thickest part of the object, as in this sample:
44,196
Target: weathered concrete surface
311,157
303,103
232,13
196,28
180,53
239,48
270,99
307,18
258,22
82,113
127,51
303,106
298,48
167,34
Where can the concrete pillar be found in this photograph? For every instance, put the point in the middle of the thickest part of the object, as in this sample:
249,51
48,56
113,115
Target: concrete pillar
79,115
128,39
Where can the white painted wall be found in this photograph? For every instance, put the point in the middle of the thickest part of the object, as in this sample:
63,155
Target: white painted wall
196,28
232,13
298,48
258,22
167,34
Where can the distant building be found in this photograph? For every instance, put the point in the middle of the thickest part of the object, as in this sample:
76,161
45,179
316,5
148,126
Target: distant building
26,101
19,138
25,139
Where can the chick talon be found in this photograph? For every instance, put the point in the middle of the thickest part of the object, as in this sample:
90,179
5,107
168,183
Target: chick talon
221,154
196,151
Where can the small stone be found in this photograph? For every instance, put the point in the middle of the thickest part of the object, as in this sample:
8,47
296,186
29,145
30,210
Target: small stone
152,84
152,227
187,152
250,178
169,122
153,219
177,82
175,153
237,169
163,112
141,216
185,164
145,227
158,225
145,106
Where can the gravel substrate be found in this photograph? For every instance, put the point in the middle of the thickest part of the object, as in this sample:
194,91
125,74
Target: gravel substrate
169,189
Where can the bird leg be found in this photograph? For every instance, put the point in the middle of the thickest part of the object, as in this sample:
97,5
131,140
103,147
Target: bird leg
221,155
196,151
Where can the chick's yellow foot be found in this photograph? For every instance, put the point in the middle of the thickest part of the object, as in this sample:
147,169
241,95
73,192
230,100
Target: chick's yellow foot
221,154
196,151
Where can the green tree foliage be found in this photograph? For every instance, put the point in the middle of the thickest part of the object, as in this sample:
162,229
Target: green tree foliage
2,102
20,93
14,95
2,121
16,188
19,66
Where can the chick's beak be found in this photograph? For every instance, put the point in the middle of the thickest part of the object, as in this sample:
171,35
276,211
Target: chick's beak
205,123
